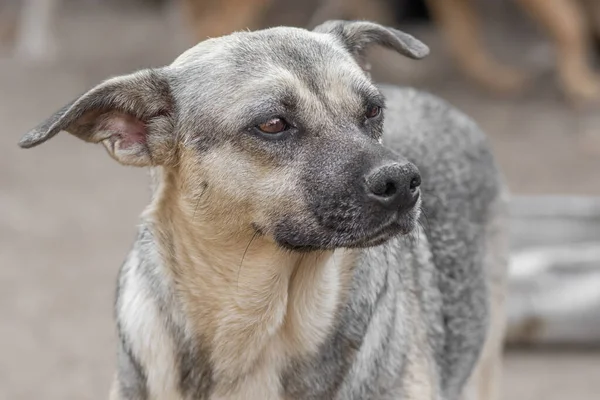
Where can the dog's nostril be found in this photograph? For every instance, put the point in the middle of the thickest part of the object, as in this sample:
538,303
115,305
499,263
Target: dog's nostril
384,188
415,183
390,189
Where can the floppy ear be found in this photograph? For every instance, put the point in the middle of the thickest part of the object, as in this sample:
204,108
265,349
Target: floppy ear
357,36
130,115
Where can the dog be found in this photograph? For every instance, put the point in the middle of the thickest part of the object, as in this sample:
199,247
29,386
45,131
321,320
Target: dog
566,21
570,24
285,253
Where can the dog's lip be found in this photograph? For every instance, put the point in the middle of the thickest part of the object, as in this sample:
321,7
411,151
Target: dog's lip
399,225
401,222
397,222
394,227
397,216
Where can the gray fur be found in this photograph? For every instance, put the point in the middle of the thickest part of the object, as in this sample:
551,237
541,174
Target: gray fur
432,282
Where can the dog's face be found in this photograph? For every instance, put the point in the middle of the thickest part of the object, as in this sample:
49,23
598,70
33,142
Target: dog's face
278,131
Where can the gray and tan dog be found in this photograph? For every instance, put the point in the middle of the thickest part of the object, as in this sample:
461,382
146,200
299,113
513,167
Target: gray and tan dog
282,255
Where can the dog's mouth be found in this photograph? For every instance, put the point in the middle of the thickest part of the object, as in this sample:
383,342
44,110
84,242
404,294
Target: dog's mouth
398,224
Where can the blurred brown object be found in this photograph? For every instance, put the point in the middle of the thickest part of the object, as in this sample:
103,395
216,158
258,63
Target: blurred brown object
213,18
373,10
564,20
460,25
570,24
8,29
8,22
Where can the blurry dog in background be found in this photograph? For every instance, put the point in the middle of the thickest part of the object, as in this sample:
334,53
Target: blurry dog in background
570,23
564,20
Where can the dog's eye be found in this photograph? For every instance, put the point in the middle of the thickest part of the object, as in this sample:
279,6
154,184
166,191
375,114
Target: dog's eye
273,126
373,112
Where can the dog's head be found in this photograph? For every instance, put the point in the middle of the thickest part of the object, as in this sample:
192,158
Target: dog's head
278,131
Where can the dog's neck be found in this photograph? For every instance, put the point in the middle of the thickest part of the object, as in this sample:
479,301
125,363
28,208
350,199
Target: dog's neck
254,303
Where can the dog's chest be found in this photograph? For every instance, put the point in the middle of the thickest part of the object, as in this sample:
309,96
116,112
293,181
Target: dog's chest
262,383
248,352
300,323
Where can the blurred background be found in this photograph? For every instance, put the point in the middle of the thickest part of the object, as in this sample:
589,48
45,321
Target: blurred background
525,70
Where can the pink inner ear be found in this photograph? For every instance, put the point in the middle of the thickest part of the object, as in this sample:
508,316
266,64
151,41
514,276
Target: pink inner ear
128,129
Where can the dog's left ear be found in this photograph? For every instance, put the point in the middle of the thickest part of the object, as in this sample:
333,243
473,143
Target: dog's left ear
357,36
130,115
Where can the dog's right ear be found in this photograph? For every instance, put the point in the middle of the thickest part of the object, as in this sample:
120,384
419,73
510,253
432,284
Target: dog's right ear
357,36
131,115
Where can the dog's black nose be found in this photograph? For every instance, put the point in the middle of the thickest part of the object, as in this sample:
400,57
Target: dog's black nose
395,186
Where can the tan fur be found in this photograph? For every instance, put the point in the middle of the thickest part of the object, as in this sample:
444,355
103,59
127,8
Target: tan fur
486,379
241,292
484,383
114,393
418,383
420,380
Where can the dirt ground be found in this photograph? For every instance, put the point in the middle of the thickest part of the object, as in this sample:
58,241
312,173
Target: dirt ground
68,212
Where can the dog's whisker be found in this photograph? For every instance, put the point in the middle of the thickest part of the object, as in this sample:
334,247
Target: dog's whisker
418,234
424,222
196,209
243,257
421,231
411,239
204,188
